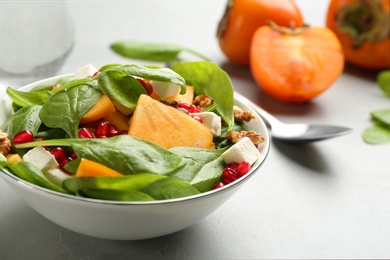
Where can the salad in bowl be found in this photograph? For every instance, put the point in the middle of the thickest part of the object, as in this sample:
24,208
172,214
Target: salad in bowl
129,135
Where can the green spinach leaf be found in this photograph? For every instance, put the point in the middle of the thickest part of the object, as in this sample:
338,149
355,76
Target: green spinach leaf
117,195
124,153
151,73
42,88
130,155
376,134
382,116
121,87
65,108
51,133
25,118
65,80
22,98
29,172
384,81
203,168
152,51
68,83
143,186
3,161
208,79
380,131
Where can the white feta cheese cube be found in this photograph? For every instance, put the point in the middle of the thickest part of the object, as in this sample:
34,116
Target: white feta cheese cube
56,176
85,72
243,150
41,158
212,121
165,89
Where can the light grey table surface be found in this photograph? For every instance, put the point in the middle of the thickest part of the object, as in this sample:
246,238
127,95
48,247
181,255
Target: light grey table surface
328,199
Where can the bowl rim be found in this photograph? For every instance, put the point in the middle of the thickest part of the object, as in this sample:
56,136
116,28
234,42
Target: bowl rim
225,188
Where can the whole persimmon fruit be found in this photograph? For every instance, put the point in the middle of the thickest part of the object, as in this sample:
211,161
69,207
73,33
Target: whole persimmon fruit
363,28
295,64
243,17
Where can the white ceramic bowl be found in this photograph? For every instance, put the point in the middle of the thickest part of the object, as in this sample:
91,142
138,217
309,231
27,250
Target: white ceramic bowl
125,220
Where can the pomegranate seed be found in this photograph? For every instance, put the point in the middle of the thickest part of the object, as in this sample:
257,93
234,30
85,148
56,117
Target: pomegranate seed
73,155
85,133
25,136
59,153
102,129
189,108
232,165
141,81
197,118
123,132
148,87
243,168
229,175
63,163
195,109
218,185
184,105
112,131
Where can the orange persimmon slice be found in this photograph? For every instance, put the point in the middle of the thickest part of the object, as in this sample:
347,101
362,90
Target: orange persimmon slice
102,108
88,168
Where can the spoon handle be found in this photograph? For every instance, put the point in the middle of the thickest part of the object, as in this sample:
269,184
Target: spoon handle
267,117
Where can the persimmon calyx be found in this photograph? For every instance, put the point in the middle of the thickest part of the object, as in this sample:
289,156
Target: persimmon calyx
292,30
222,25
363,21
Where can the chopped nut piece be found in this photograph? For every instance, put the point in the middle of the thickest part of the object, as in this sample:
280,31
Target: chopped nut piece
241,115
202,101
5,143
236,136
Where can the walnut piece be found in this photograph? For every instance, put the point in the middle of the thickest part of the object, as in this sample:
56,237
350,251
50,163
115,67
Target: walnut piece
202,101
241,115
236,136
5,143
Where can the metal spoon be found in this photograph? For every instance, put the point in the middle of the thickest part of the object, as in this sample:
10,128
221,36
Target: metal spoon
299,132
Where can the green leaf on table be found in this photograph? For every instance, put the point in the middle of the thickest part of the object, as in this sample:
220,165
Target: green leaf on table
380,131
376,134
382,116
160,52
384,81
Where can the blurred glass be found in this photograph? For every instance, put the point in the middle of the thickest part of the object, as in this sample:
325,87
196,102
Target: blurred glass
35,39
